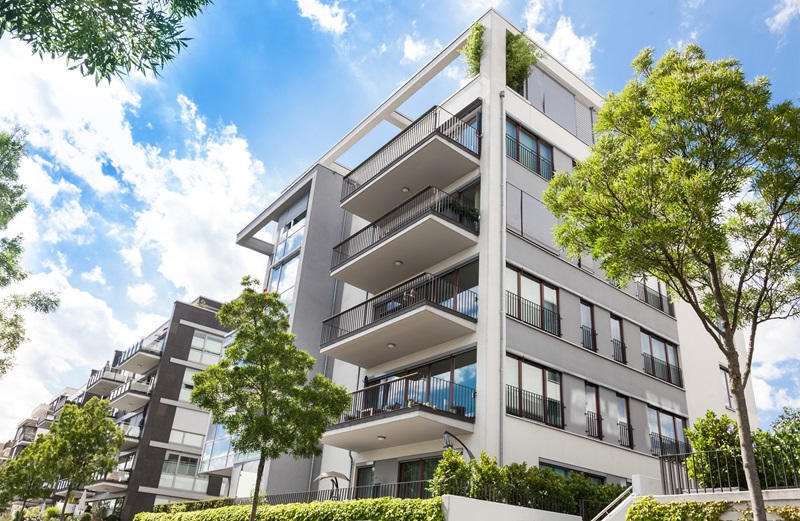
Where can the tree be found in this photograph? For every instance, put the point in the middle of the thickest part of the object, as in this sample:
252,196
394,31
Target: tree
694,180
260,391
85,441
12,202
31,476
101,38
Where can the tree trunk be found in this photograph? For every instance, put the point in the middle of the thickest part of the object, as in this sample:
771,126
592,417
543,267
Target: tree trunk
746,441
66,500
261,463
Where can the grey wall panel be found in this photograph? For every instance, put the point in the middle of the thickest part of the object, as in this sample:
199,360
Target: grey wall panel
559,104
514,208
537,222
535,90
561,161
583,120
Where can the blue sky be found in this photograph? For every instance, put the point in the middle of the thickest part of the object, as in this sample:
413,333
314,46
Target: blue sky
138,187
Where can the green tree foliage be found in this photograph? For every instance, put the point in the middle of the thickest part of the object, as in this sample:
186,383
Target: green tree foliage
694,180
12,202
521,55
30,476
472,51
260,389
102,38
84,441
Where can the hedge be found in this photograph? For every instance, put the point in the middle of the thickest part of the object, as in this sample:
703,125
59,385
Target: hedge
381,509
648,509
192,506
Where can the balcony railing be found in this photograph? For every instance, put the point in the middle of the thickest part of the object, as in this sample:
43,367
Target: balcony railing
109,373
594,425
654,299
411,391
49,416
661,445
26,436
777,466
662,370
526,404
436,121
619,351
117,476
589,338
423,289
533,314
528,158
131,430
59,404
430,200
153,347
138,386
625,435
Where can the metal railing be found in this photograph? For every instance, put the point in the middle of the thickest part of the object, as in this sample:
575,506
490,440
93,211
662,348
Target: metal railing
153,347
130,430
109,373
528,158
49,416
532,406
429,200
436,121
116,476
601,513
411,391
594,425
138,386
778,467
654,299
662,370
423,289
662,445
625,434
589,338
533,314
619,351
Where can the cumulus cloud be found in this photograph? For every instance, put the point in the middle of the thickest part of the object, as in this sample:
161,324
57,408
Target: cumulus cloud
784,12
142,294
329,18
473,7
418,50
94,275
564,44
133,259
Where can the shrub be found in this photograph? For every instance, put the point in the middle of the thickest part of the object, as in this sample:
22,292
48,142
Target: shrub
521,56
473,50
193,506
52,512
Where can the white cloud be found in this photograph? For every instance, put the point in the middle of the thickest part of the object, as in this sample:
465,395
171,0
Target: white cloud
418,50
133,259
142,294
329,18
772,398
94,275
189,115
479,6
785,11
564,44
68,222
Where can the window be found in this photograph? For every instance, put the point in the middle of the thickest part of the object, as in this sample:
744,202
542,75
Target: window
565,472
667,434
180,472
364,477
616,340
594,425
726,387
533,392
206,349
187,385
661,359
588,335
186,438
532,301
623,422
414,476
283,278
291,230
529,150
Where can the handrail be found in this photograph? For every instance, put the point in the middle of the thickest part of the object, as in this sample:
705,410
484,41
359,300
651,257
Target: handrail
619,499
384,383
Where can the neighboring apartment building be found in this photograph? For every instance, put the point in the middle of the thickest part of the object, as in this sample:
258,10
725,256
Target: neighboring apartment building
430,274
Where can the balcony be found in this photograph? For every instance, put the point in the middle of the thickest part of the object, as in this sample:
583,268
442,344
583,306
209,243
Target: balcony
625,434
589,338
131,396
46,420
438,146
594,425
410,409
141,357
423,231
528,158
655,299
662,445
662,370
418,314
105,380
619,351
533,314
131,434
116,481
532,406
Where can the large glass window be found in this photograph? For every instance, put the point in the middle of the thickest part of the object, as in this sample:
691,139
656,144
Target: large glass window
725,377
623,422
667,434
594,426
616,340
533,391
187,384
661,359
180,472
532,301
206,349
587,326
283,278
291,230
414,476
529,150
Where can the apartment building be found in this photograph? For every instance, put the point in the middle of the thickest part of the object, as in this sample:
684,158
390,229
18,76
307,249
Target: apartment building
426,279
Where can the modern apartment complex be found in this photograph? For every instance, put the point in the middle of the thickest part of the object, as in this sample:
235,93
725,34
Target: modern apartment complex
427,281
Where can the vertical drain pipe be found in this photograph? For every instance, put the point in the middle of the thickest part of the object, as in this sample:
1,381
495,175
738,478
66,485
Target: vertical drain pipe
502,350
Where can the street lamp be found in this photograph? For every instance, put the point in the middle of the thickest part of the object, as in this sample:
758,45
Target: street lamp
449,444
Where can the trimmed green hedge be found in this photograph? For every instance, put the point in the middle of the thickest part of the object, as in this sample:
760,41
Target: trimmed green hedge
193,506
381,509
648,509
